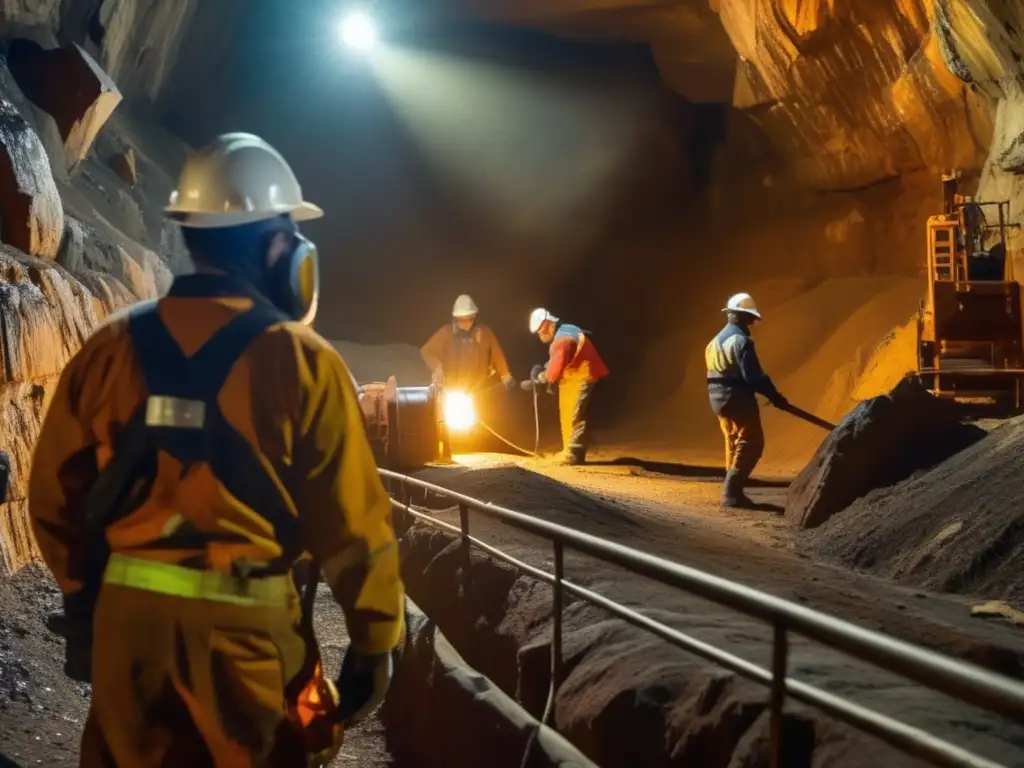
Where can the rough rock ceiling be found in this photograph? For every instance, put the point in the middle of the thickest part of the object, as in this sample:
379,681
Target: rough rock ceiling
850,92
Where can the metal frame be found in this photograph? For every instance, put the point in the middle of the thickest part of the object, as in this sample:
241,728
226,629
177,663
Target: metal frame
952,221
957,679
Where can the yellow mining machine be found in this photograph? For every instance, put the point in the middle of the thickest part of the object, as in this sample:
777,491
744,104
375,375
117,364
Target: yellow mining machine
970,330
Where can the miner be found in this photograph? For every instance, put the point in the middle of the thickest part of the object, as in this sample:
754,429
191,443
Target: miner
197,449
734,377
576,367
464,353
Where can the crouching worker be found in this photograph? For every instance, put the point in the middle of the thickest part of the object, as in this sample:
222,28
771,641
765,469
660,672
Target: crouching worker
734,377
573,364
196,451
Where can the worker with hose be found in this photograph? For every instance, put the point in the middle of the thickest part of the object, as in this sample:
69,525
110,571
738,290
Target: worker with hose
734,377
576,367
197,450
465,353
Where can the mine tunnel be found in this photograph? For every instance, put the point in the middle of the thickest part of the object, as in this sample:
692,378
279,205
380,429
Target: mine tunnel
659,402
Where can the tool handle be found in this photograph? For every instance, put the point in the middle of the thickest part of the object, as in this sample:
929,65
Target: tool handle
810,418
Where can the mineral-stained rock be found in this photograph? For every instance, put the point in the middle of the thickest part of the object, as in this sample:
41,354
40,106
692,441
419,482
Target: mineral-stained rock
45,315
31,212
71,86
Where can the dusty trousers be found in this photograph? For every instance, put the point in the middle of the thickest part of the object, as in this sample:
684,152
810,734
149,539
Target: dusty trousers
740,420
574,393
190,682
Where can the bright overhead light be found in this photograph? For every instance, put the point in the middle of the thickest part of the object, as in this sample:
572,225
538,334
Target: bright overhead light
358,31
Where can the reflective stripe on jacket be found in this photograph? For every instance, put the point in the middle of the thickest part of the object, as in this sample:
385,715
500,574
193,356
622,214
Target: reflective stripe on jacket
731,361
290,397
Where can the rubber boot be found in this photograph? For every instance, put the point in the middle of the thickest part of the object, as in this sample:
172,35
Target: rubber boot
733,496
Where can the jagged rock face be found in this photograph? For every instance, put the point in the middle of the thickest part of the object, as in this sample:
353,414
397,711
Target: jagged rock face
137,42
849,93
854,93
69,85
45,316
31,212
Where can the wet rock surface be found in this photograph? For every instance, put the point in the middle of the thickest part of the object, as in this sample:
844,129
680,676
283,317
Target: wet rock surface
42,713
31,212
880,442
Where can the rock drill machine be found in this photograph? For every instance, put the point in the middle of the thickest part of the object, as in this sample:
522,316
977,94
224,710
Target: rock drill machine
969,326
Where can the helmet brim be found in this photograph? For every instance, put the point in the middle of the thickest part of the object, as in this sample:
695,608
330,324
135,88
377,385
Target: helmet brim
305,211
752,312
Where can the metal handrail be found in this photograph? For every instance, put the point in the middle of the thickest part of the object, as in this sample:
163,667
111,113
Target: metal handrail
957,679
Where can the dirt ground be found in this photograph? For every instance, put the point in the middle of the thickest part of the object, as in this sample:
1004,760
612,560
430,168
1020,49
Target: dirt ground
670,508
42,713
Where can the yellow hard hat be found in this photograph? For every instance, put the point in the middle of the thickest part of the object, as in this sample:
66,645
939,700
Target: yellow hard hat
237,179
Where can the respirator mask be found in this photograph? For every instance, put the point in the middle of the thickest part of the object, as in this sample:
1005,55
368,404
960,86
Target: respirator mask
294,280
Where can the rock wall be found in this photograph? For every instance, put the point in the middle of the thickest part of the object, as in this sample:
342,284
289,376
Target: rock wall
985,47
855,93
98,243
140,43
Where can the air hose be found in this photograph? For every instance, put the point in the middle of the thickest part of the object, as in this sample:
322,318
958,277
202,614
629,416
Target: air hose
536,431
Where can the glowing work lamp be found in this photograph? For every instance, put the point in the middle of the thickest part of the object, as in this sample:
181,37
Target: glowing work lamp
358,31
459,412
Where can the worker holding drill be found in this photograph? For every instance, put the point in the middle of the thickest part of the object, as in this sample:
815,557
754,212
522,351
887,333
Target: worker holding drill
734,376
573,364
464,353
196,451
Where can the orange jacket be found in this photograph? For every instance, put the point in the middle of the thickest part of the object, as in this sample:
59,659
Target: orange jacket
291,397
466,358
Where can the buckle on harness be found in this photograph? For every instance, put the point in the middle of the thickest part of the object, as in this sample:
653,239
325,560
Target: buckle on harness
174,412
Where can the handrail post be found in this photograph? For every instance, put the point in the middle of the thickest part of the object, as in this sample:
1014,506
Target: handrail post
403,499
556,629
780,663
465,546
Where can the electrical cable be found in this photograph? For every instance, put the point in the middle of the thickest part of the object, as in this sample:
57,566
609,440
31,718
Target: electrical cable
536,431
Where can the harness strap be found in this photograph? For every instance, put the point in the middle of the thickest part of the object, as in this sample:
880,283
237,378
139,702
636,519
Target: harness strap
183,415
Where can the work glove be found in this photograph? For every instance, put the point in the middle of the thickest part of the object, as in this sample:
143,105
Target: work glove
362,684
509,382
537,374
780,402
529,385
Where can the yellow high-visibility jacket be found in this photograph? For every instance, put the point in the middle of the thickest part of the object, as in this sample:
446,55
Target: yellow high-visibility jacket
291,397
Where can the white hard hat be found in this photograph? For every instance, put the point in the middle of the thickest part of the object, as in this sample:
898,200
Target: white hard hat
238,179
540,316
742,302
464,307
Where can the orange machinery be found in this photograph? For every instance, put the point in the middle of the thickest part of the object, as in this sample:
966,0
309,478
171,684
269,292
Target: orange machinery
970,329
